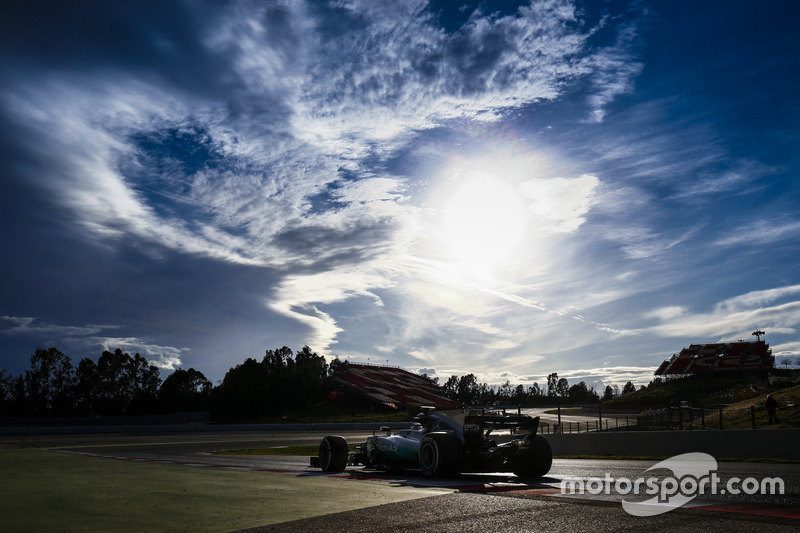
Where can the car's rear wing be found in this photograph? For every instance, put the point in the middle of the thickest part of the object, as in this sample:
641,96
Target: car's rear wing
479,423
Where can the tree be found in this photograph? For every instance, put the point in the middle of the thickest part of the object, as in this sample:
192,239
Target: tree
244,392
483,394
125,384
17,397
581,393
185,391
467,387
504,392
87,388
279,367
534,391
562,387
552,381
310,377
49,383
145,384
519,395
629,387
113,383
450,387
5,393
608,394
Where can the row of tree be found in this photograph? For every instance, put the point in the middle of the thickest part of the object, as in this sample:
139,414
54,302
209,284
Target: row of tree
467,390
52,386
281,380
121,384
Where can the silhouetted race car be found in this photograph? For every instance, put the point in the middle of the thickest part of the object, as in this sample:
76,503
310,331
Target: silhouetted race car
441,445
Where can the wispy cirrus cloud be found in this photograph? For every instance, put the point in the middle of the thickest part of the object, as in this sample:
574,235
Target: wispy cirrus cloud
761,231
27,325
618,69
320,111
777,307
447,186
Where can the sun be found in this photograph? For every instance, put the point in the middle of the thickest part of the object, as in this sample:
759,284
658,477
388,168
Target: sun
482,218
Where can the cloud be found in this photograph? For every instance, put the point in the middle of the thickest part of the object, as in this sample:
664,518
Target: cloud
614,73
773,309
320,101
756,299
164,357
284,156
560,203
788,350
761,232
372,80
85,338
27,326
666,313
596,378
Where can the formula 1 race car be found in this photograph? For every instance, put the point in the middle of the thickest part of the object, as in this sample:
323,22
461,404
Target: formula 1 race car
441,445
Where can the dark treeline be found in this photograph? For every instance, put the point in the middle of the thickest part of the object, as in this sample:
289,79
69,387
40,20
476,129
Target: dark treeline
52,386
283,380
468,391
280,381
121,384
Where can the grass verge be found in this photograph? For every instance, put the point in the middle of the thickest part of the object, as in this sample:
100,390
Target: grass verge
53,491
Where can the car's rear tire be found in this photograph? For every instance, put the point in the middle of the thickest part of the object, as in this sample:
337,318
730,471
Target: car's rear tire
333,454
441,455
536,459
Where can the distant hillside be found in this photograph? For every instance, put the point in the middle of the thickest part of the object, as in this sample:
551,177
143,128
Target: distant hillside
738,414
696,390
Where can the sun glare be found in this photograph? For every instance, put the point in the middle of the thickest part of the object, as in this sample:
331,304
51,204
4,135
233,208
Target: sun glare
483,220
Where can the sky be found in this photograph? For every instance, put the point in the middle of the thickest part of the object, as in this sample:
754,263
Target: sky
501,188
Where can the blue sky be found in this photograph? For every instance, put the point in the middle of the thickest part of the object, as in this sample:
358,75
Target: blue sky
501,188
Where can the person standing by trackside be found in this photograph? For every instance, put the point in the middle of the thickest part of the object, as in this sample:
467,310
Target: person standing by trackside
772,407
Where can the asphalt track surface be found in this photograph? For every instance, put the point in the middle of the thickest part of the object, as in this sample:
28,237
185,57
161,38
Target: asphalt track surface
475,502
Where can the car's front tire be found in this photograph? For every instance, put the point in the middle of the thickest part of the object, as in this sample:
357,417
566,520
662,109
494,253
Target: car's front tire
441,455
535,459
333,453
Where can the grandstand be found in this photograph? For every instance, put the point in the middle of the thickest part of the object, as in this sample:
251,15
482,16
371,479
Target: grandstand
719,359
391,387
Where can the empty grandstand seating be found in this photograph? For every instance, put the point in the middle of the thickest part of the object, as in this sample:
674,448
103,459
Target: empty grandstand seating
719,358
389,386
661,368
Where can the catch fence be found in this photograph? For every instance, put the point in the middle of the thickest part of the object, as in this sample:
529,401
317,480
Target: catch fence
683,417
